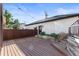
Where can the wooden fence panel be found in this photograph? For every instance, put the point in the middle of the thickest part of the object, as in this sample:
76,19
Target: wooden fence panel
13,34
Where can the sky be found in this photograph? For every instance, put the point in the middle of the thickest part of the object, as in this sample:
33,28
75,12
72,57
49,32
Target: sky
30,12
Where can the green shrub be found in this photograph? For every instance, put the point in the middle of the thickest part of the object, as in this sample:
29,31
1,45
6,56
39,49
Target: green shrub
47,34
42,33
54,35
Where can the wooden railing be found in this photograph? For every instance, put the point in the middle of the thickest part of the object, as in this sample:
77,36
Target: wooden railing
14,34
74,29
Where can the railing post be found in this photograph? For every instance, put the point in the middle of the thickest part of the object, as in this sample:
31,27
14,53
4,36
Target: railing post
78,28
70,31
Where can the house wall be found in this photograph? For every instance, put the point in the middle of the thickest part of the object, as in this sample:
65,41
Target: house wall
4,22
0,25
22,26
57,26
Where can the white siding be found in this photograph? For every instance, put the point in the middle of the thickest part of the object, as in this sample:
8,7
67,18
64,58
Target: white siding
55,26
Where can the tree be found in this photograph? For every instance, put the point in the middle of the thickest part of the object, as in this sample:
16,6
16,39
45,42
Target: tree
16,24
10,22
9,19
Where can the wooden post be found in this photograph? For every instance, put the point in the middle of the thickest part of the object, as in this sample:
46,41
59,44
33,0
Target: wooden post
1,38
78,27
37,30
70,31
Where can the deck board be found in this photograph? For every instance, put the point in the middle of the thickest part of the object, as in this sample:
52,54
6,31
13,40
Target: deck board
9,48
5,48
15,53
28,47
2,50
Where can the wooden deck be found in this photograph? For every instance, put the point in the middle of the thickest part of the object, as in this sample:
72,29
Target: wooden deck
9,48
29,47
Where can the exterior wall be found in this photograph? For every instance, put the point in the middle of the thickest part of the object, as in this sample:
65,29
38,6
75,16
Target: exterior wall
63,25
0,25
22,26
55,26
4,22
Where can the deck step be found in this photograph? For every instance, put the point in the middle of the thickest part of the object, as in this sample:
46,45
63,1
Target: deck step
59,48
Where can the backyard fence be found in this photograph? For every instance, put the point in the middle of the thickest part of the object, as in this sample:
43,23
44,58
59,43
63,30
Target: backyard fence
14,33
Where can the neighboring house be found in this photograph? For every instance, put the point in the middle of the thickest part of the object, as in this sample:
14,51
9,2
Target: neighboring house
4,23
22,26
55,24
